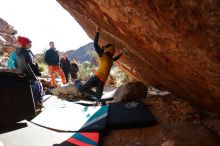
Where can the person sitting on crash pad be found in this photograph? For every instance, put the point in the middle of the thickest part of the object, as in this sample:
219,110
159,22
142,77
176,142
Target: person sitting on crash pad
106,59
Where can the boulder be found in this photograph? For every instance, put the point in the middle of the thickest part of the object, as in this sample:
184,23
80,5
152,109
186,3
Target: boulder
130,91
67,91
7,38
172,45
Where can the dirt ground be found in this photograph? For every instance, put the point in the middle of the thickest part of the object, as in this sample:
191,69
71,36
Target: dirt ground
178,124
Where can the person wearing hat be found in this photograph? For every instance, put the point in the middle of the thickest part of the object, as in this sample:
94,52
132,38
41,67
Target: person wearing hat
52,60
106,59
27,64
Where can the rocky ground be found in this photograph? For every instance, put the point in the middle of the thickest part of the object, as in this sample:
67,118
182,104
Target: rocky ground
178,124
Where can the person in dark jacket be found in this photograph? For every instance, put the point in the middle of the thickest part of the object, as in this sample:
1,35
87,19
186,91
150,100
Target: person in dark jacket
106,59
52,60
74,69
65,66
26,61
27,64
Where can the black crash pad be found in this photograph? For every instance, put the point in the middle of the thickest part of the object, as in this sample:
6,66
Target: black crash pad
130,114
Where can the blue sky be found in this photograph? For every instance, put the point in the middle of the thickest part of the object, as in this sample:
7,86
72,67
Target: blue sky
43,21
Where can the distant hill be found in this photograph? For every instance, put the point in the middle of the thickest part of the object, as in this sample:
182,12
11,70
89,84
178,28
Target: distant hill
81,54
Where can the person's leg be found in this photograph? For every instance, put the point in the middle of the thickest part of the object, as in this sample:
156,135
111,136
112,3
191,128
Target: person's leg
51,70
80,87
61,74
66,76
92,82
37,91
87,86
99,89
73,76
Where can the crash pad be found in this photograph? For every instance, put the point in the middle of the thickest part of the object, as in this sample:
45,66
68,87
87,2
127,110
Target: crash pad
129,114
81,139
28,134
62,115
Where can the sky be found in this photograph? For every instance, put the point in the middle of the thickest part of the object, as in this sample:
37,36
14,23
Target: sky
42,21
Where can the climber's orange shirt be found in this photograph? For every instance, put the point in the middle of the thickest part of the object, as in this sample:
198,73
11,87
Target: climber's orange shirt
105,64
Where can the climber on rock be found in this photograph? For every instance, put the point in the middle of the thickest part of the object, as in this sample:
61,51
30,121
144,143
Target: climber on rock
106,59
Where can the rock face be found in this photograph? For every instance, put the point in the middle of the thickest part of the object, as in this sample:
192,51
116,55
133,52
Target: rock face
7,38
172,45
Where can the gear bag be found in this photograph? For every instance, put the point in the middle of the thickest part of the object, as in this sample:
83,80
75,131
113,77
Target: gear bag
16,99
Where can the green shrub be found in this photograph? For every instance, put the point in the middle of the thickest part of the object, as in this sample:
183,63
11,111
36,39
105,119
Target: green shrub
121,76
43,67
40,58
85,70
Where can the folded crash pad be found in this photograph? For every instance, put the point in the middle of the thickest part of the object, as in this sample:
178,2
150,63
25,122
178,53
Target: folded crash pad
129,114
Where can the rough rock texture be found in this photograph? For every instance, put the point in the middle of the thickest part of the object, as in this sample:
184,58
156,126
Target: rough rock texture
213,124
183,134
172,45
187,133
130,91
7,38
